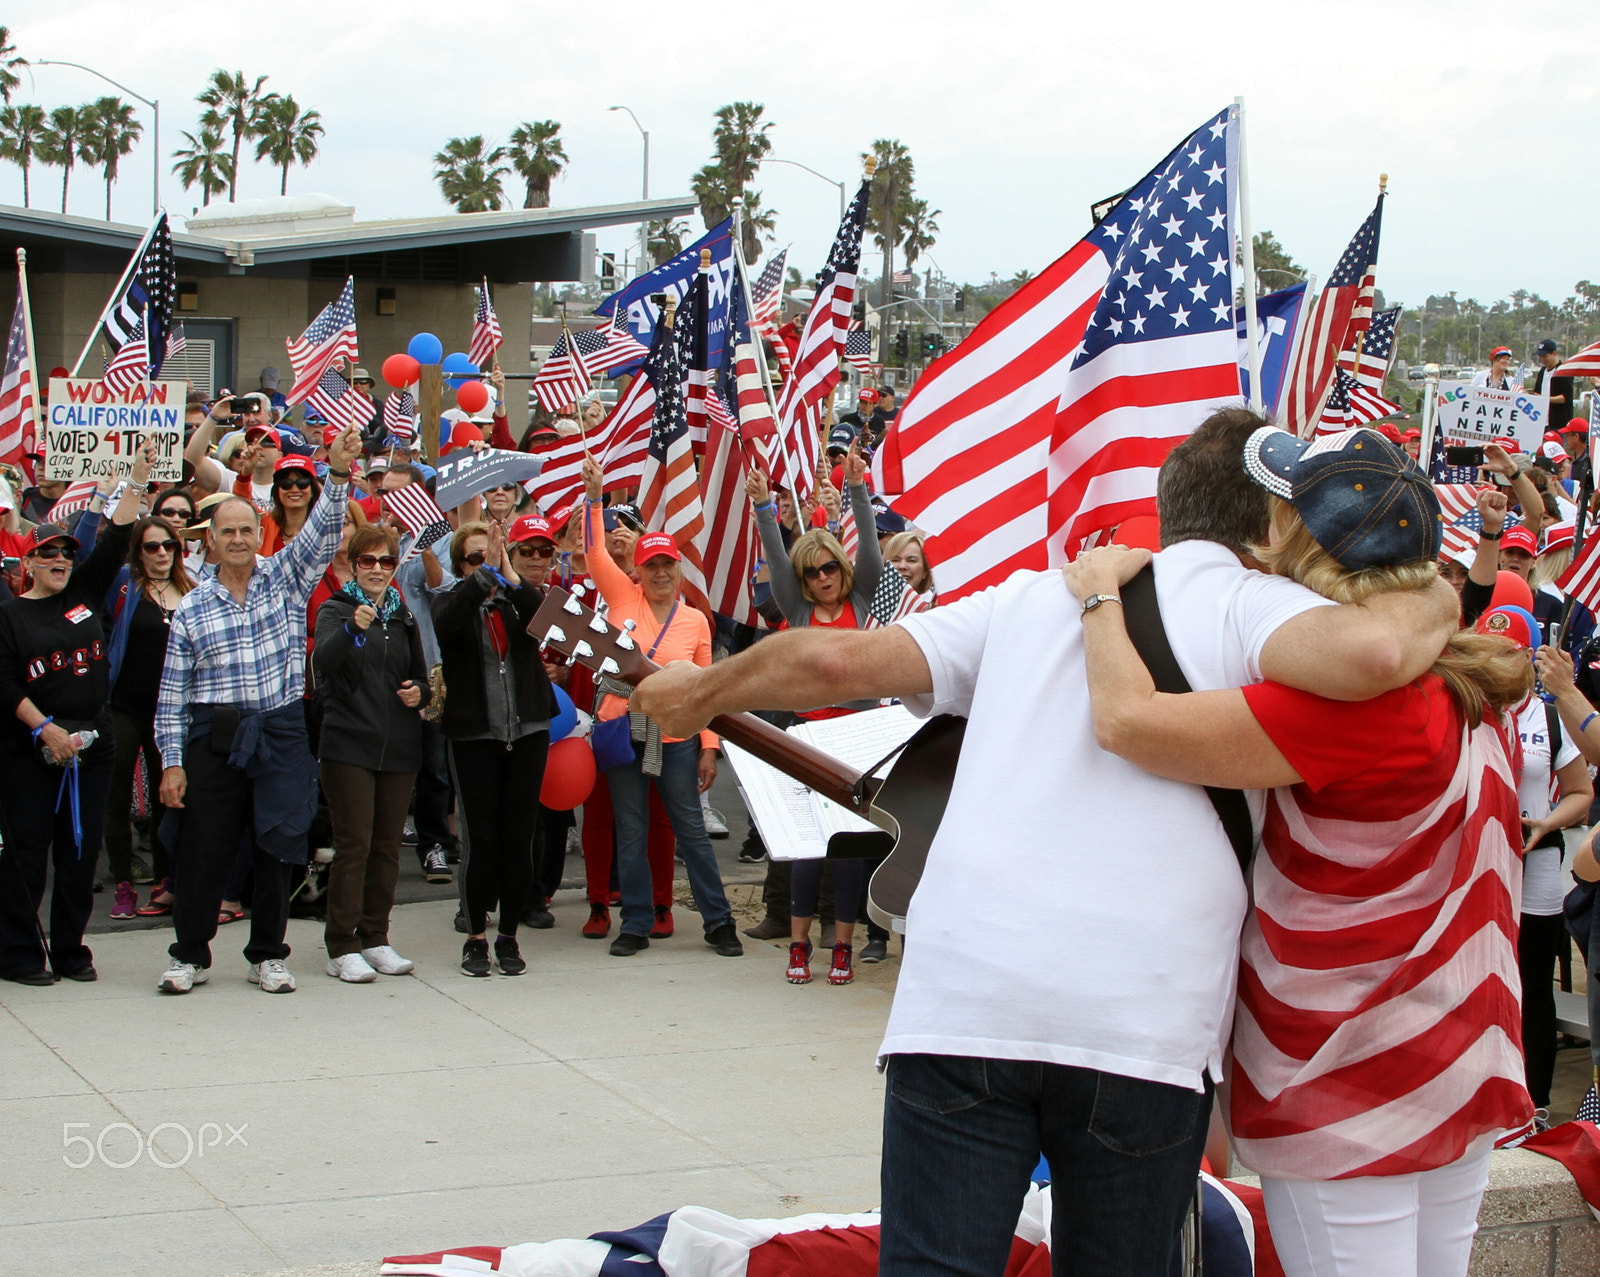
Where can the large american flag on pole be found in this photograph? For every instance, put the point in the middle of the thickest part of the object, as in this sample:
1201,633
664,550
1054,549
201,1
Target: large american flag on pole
1342,309
17,396
147,298
730,537
330,338
486,337
1357,394
669,491
817,362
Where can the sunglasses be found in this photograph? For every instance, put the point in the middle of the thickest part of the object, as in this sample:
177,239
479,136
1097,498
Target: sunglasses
504,487
55,552
171,512
536,551
827,569
300,484
388,562
475,559
159,547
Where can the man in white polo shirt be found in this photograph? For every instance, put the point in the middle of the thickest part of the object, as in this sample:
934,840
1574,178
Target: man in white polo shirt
1070,989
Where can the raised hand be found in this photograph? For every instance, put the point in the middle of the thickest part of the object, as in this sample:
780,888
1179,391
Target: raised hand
593,478
756,487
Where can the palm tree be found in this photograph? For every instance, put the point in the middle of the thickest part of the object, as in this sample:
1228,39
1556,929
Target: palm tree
739,141
204,163
9,62
536,153
67,140
288,135
666,239
468,171
920,227
22,132
891,186
111,135
234,103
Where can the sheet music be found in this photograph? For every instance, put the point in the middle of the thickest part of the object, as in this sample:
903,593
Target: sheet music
858,740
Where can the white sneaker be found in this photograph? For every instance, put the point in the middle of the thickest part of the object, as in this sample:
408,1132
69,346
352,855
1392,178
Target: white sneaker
272,976
180,977
352,968
716,827
385,960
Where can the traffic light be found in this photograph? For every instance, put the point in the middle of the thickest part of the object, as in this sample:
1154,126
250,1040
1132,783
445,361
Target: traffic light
608,272
902,346
930,345
961,301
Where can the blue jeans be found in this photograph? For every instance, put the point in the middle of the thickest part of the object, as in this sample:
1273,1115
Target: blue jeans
961,1136
679,786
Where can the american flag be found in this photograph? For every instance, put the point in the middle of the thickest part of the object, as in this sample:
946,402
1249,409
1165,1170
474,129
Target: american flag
1357,394
669,493
1582,580
620,443
1455,499
75,498
730,537
1441,473
148,296
569,370
1585,363
177,341
486,336
1461,534
1342,309
17,399
858,350
816,364
621,346
893,599
969,453
130,365
400,417
1159,350
419,513
336,403
330,338
766,294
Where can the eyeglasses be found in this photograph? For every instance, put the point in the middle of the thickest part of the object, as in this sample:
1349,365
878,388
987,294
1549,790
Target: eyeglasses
388,562
300,484
536,551
826,569
159,547
475,559
55,552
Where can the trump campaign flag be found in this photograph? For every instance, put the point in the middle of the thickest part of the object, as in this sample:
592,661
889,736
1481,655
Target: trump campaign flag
1277,325
674,278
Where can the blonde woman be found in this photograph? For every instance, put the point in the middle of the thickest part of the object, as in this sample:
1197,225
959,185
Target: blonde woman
906,553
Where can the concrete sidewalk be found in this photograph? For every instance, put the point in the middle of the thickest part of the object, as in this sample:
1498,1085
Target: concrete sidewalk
424,1111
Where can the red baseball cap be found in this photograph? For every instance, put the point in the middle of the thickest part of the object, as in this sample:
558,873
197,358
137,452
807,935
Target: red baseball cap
1578,425
295,462
1389,431
653,544
1412,433
1498,351
259,434
559,517
1510,623
868,395
530,526
1519,538
1507,442
1558,536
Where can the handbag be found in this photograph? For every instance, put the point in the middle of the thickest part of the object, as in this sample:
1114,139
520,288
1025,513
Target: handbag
612,740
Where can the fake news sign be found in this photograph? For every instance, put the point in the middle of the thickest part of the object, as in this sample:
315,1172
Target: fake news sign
1477,415
90,433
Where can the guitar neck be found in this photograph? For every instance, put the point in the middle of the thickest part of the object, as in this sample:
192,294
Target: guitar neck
798,760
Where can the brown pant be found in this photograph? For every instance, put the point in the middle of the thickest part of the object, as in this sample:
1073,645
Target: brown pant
369,816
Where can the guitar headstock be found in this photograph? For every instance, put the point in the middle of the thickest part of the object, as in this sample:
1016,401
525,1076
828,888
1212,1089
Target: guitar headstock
569,626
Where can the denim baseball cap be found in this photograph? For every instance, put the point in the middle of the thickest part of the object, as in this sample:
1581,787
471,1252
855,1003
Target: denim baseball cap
1363,500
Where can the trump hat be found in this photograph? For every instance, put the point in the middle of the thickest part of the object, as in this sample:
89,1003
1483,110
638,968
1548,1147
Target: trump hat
652,545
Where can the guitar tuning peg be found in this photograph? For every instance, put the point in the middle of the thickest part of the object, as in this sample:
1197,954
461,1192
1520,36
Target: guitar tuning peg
581,649
597,623
577,590
572,605
630,626
626,643
609,666
555,634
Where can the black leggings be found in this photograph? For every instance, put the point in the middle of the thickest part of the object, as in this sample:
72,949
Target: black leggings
497,792
805,882
1538,943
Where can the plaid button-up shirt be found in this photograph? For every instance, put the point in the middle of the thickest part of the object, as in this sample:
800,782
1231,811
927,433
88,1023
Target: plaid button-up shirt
254,655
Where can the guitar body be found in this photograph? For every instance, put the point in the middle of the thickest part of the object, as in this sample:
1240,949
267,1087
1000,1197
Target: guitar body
913,798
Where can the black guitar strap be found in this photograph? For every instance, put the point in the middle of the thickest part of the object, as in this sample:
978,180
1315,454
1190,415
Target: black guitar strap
1149,635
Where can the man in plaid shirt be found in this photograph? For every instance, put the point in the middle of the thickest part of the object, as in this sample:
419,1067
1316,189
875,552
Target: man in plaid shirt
231,728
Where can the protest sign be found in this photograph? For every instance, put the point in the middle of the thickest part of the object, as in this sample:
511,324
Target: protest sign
465,474
1477,415
91,433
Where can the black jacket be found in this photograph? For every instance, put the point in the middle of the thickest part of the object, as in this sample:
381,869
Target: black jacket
364,722
458,625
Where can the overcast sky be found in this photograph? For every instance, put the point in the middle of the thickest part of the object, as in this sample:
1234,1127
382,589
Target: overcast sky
1017,115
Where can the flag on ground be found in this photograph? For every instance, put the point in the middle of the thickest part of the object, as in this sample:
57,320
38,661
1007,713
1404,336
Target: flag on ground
400,418
331,337
1343,309
817,361
420,514
486,337
17,396
336,402
129,366
147,296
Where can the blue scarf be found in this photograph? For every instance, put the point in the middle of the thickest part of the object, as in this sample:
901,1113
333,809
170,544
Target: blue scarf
387,606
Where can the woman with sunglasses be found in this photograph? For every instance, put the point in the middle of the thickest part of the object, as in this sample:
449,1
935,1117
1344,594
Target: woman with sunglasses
294,491
496,721
179,510
369,662
500,503
826,589
141,617
54,684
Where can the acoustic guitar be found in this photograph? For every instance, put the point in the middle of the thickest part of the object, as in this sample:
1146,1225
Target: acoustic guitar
906,806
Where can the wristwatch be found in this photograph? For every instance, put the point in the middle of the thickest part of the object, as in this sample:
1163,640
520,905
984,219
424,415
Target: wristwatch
1095,600
1484,535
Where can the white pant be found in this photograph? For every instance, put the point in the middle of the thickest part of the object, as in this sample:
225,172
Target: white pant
1379,1226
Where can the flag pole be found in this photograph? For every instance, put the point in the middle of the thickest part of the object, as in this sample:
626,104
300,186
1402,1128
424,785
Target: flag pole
27,338
1248,250
116,293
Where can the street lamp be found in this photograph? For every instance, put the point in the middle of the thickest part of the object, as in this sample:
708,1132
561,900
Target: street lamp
155,139
644,226
770,159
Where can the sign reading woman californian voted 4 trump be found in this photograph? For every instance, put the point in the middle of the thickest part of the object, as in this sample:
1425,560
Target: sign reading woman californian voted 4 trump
90,432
